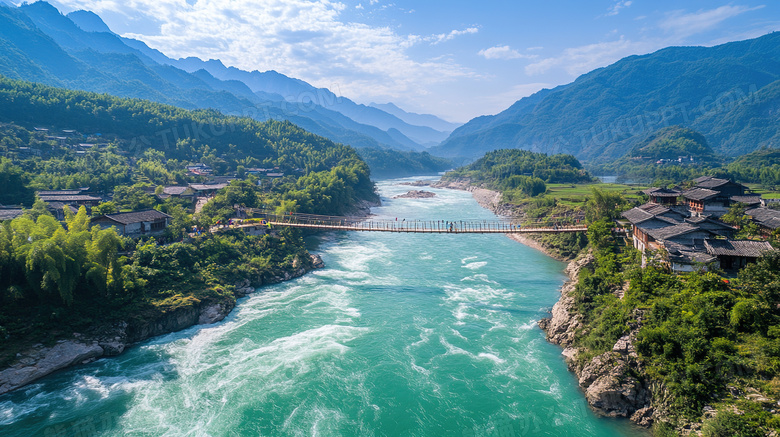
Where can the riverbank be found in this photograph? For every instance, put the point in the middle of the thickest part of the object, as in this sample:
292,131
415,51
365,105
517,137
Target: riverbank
39,360
491,200
607,380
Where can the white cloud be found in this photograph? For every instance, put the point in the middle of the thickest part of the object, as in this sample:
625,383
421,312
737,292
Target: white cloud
677,26
686,24
301,38
579,60
503,52
621,4
500,101
442,37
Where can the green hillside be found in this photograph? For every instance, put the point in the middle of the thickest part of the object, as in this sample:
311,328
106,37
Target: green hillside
727,93
672,142
132,128
38,43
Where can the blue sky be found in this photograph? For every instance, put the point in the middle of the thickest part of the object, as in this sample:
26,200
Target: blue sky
455,59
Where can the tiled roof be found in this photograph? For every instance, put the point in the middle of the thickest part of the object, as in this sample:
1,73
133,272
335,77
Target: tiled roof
58,192
672,231
125,218
10,213
747,200
769,218
58,206
174,190
654,208
662,192
708,223
77,198
711,182
743,248
636,215
204,187
647,211
699,194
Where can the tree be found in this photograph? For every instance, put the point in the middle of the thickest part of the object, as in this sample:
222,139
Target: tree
14,183
603,205
104,208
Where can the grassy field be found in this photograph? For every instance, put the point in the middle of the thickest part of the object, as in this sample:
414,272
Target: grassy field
765,193
575,194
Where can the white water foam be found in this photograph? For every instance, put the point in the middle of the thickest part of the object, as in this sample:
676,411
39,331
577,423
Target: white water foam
491,357
475,265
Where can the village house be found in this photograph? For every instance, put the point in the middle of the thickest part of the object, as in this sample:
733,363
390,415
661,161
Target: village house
688,242
72,199
10,213
663,196
712,196
199,169
206,190
136,223
179,192
768,220
57,209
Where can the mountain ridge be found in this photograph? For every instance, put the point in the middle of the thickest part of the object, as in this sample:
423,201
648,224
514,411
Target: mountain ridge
605,112
80,54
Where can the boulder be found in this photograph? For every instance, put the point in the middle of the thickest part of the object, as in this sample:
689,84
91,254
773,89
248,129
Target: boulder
41,361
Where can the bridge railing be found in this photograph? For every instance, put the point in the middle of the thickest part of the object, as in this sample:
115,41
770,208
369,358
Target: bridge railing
404,225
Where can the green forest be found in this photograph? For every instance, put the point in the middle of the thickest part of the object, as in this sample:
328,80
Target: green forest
65,276
509,170
676,154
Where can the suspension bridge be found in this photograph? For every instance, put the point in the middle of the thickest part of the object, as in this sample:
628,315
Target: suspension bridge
362,224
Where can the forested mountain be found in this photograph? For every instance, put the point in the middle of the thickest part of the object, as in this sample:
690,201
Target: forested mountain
673,142
295,90
78,51
729,93
412,118
160,140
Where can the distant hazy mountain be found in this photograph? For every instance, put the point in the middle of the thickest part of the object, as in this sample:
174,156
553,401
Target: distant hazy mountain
79,51
727,92
429,120
88,21
296,90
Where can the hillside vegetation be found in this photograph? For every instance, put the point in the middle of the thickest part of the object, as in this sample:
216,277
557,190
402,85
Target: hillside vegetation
59,278
728,93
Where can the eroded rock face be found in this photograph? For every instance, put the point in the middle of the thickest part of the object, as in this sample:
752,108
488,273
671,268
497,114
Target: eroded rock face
561,327
608,379
316,262
41,361
610,387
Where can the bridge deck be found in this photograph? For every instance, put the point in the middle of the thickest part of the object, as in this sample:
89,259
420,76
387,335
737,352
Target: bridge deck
433,227
362,224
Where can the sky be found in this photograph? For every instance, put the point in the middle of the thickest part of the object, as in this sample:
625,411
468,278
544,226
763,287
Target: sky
453,58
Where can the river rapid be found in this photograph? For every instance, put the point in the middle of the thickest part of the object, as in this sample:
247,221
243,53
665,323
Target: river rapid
399,335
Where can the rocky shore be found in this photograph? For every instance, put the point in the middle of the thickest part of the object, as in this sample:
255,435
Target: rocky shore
608,380
106,341
416,194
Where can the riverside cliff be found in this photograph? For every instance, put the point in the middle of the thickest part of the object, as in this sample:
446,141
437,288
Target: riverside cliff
111,340
610,379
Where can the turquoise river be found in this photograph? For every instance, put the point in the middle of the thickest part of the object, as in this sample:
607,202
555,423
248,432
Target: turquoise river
399,335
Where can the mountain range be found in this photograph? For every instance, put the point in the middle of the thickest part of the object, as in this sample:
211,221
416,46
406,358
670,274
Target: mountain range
79,51
729,93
